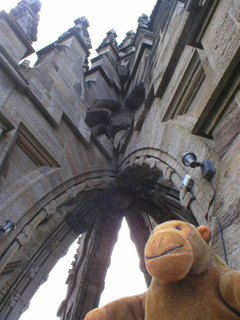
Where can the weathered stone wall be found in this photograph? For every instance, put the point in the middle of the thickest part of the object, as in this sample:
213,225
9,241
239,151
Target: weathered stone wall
193,96
47,157
80,147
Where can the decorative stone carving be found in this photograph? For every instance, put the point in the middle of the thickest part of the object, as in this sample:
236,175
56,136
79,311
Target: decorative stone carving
143,21
14,299
25,307
44,278
81,25
110,38
128,40
25,236
33,271
127,46
53,244
25,64
26,15
51,208
4,290
72,192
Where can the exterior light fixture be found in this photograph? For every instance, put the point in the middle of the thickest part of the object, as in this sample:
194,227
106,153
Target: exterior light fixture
190,160
8,227
207,167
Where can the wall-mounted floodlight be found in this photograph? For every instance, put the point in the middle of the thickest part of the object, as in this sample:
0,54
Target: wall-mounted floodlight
8,227
207,167
190,160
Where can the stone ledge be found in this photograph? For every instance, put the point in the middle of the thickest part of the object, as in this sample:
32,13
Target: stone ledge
12,70
27,48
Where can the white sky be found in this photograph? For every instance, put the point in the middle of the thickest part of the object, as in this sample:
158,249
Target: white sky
56,17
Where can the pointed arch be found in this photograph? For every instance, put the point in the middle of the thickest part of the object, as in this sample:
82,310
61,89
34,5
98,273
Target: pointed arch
162,159
48,221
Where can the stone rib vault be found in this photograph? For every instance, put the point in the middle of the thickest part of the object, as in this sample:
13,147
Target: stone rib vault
81,147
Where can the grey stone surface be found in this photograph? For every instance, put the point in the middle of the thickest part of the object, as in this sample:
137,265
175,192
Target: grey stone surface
26,15
17,45
80,147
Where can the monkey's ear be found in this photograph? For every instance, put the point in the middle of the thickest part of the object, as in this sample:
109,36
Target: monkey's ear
205,233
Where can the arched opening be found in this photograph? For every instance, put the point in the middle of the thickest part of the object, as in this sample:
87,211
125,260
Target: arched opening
123,277
45,302
149,195
124,260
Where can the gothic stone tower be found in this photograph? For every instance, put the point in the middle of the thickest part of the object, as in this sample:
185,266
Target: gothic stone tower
81,148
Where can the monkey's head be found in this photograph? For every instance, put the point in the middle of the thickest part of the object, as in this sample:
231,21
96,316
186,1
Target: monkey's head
176,249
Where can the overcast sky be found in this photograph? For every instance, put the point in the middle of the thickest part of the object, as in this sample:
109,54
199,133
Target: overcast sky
56,17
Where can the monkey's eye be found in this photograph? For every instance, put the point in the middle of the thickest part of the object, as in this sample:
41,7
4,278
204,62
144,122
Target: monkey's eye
178,228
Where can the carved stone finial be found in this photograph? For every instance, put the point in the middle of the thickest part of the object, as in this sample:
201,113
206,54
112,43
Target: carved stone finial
110,38
26,15
25,64
143,20
128,40
35,5
131,33
81,26
112,33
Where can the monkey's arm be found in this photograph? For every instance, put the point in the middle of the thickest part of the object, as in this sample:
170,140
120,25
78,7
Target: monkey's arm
129,308
230,289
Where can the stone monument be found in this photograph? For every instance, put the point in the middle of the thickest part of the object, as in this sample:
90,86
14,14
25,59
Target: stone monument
133,136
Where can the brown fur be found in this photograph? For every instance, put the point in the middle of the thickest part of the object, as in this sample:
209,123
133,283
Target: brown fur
189,281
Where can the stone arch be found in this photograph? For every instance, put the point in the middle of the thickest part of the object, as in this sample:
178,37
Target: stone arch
45,229
55,210
164,158
58,201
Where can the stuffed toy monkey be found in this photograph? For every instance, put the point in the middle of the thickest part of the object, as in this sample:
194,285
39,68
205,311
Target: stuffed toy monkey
189,281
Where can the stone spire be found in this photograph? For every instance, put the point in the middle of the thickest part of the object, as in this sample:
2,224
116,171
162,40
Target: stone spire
27,17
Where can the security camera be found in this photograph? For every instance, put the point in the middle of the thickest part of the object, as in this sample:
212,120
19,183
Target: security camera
187,182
